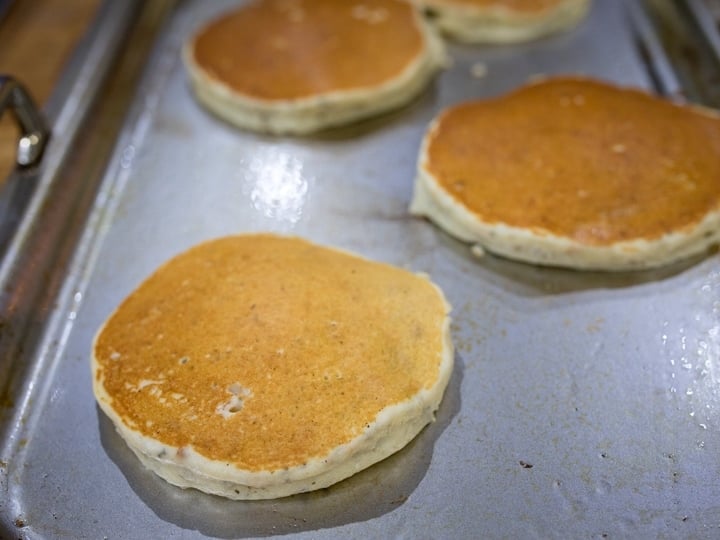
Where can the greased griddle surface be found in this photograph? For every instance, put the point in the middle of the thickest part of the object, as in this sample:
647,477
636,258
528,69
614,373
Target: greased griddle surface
582,404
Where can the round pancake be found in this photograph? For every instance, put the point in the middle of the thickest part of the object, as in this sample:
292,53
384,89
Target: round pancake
575,172
297,66
260,366
504,21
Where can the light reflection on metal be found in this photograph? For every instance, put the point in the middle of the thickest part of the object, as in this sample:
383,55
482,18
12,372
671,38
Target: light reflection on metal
278,187
695,357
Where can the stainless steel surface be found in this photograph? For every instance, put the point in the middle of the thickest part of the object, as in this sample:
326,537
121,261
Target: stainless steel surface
41,212
687,33
22,198
707,20
649,44
582,405
34,131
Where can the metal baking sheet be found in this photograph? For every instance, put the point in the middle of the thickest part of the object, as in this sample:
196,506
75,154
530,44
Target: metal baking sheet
582,405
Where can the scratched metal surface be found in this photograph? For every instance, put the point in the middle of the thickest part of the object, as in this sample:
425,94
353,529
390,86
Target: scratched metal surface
581,405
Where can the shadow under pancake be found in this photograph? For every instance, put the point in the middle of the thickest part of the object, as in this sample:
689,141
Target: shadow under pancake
533,280
369,494
424,101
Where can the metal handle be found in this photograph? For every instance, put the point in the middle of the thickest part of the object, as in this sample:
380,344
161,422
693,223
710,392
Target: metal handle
34,130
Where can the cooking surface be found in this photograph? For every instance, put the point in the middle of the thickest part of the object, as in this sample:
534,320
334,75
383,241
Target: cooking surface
582,404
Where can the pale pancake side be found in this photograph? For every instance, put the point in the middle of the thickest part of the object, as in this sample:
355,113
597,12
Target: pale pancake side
340,363
576,173
503,21
312,86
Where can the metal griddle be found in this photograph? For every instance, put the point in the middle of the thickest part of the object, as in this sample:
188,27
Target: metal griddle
582,405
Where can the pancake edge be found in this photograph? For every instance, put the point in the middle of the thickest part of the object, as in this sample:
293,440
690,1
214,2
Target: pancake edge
430,200
499,24
393,428
331,109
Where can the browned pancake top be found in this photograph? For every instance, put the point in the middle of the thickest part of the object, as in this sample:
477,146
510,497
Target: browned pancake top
580,159
287,49
314,342
523,6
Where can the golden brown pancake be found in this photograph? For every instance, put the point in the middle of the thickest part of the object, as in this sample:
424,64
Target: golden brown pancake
575,172
300,65
504,21
261,366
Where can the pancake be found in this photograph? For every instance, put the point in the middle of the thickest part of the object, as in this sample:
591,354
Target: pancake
504,21
577,173
298,66
260,366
